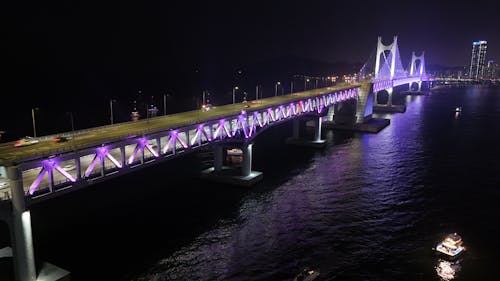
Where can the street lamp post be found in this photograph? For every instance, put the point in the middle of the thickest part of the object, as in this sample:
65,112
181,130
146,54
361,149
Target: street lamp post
33,119
111,110
291,87
316,83
72,124
305,83
234,92
276,88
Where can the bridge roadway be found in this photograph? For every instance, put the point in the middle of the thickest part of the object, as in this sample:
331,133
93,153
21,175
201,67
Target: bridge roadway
107,134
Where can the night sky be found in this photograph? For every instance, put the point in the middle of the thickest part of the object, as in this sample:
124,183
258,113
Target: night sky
66,53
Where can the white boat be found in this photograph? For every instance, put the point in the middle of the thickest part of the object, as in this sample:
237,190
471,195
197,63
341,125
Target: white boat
451,245
307,275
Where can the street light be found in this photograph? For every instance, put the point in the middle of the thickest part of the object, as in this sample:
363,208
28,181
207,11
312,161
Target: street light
33,119
234,92
111,109
305,83
276,88
72,124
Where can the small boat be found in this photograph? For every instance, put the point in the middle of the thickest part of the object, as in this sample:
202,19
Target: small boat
307,275
458,109
451,246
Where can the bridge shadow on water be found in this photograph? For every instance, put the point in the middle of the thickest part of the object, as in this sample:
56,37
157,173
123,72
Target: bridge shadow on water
117,229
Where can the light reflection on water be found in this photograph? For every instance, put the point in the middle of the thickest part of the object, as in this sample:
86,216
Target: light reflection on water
447,270
368,207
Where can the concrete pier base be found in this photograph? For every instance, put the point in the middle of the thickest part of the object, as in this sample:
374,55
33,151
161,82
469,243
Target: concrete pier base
395,108
304,142
416,93
373,125
232,176
50,272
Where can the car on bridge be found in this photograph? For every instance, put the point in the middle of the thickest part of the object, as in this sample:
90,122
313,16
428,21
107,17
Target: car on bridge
61,139
26,141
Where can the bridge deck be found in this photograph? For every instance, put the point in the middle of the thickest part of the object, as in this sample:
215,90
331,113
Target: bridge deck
107,134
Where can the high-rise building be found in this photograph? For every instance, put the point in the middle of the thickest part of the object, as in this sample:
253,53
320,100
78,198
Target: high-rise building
478,60
492,69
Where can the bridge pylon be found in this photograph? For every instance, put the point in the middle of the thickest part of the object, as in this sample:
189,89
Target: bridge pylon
381,48
413,66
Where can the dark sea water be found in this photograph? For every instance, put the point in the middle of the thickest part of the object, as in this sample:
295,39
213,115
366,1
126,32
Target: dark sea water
366,207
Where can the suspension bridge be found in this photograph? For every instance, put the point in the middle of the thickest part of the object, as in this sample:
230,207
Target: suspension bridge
47,169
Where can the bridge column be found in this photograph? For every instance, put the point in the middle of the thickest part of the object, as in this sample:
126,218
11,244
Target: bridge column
317,130
296,139
246,165
21,235
231,174
419,86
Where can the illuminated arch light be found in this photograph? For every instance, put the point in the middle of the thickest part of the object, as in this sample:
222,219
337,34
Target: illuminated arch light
270,113
228,133
149,147
132,157
256,117
47,165
243,126
282,111
169,143
293,109
64,173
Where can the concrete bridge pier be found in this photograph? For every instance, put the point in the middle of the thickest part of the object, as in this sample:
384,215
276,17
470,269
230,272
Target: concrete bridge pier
389,107
419,90
356,115
18,218
239,175
296,139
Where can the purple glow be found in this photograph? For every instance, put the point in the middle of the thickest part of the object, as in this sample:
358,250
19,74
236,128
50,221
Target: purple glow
101,151
167,146
64,173
112,159
150,148
293,109
181,142
39,178
132,157
283,112
195,137
226,130
92,165
256,117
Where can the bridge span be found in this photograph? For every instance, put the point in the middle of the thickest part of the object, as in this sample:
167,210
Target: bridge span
47,169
